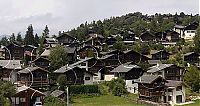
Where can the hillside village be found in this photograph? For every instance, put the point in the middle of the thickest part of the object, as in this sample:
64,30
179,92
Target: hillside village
157,57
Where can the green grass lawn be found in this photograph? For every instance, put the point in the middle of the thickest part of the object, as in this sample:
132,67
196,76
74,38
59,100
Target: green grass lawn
197,103
103,100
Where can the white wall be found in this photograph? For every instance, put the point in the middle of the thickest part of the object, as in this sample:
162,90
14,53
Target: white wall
189,35
88,81
131,86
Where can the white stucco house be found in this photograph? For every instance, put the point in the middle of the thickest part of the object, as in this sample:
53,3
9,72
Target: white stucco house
190,31
175,92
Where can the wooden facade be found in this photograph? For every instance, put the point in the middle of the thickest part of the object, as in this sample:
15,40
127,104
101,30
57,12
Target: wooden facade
147,37
15,51
34,76
66,39
191,57
160,55
26,96
41,62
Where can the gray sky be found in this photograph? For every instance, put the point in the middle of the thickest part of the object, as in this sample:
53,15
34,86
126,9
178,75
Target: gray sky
16,15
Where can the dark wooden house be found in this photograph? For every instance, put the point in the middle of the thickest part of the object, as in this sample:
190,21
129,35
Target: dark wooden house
151,88
87,51
172,36
66,39
41,62
167,71
133,56
30,53
75,75
34,77
50,42
191,57
9,69
147,37
110,40
159,55
71,54
160,36
129,38
14,52
26,96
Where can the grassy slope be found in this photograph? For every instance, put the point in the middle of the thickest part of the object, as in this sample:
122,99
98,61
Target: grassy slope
197,103
103,100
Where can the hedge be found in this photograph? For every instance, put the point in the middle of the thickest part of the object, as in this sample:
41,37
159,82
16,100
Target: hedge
84,89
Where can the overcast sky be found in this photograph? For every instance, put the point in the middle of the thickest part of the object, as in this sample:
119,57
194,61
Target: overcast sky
63,15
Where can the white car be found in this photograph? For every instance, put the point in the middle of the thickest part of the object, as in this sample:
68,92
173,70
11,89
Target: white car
38,104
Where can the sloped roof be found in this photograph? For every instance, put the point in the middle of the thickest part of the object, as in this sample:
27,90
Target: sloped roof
173,83
57,93
10,64
189,53
159,67
46,52
125,67
148,79
106,56
23,88
154,62
70,49
30,69
51,40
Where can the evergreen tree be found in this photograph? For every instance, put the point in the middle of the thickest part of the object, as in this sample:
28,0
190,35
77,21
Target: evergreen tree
19,38
37,40
46,32
29,37
197,40
12,37
4,41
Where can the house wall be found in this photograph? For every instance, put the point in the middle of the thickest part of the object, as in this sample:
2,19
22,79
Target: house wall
189,34
174,95
132,87
86,82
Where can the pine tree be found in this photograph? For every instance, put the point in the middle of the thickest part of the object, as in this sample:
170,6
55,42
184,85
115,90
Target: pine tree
37,40
12,38
29,37
46,32
19,38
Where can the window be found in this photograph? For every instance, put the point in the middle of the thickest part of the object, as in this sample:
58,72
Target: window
87,78
179,88
169,98
132,81
17,100
179,99
22,99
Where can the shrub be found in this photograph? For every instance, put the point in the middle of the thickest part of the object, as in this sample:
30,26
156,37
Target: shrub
84,89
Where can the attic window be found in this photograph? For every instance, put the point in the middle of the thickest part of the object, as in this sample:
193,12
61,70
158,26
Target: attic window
87,78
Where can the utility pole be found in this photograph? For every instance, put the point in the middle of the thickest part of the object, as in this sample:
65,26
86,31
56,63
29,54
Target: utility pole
67,96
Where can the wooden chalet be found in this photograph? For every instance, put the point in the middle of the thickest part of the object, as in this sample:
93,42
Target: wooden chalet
110,40
191,57
41,62
172,36
26,96
159,55
133,56
94,40
34,77
9,69
66,39
130,38
14,51
179,29
167,71
50,42
160,36
75,75
151,88
147,37
71,54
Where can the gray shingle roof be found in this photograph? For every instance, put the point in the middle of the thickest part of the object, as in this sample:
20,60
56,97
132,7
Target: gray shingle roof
173,83
28,69
148,79
125,67
189,53
57,93
106,56
10,64
158,67
154,62
70,49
